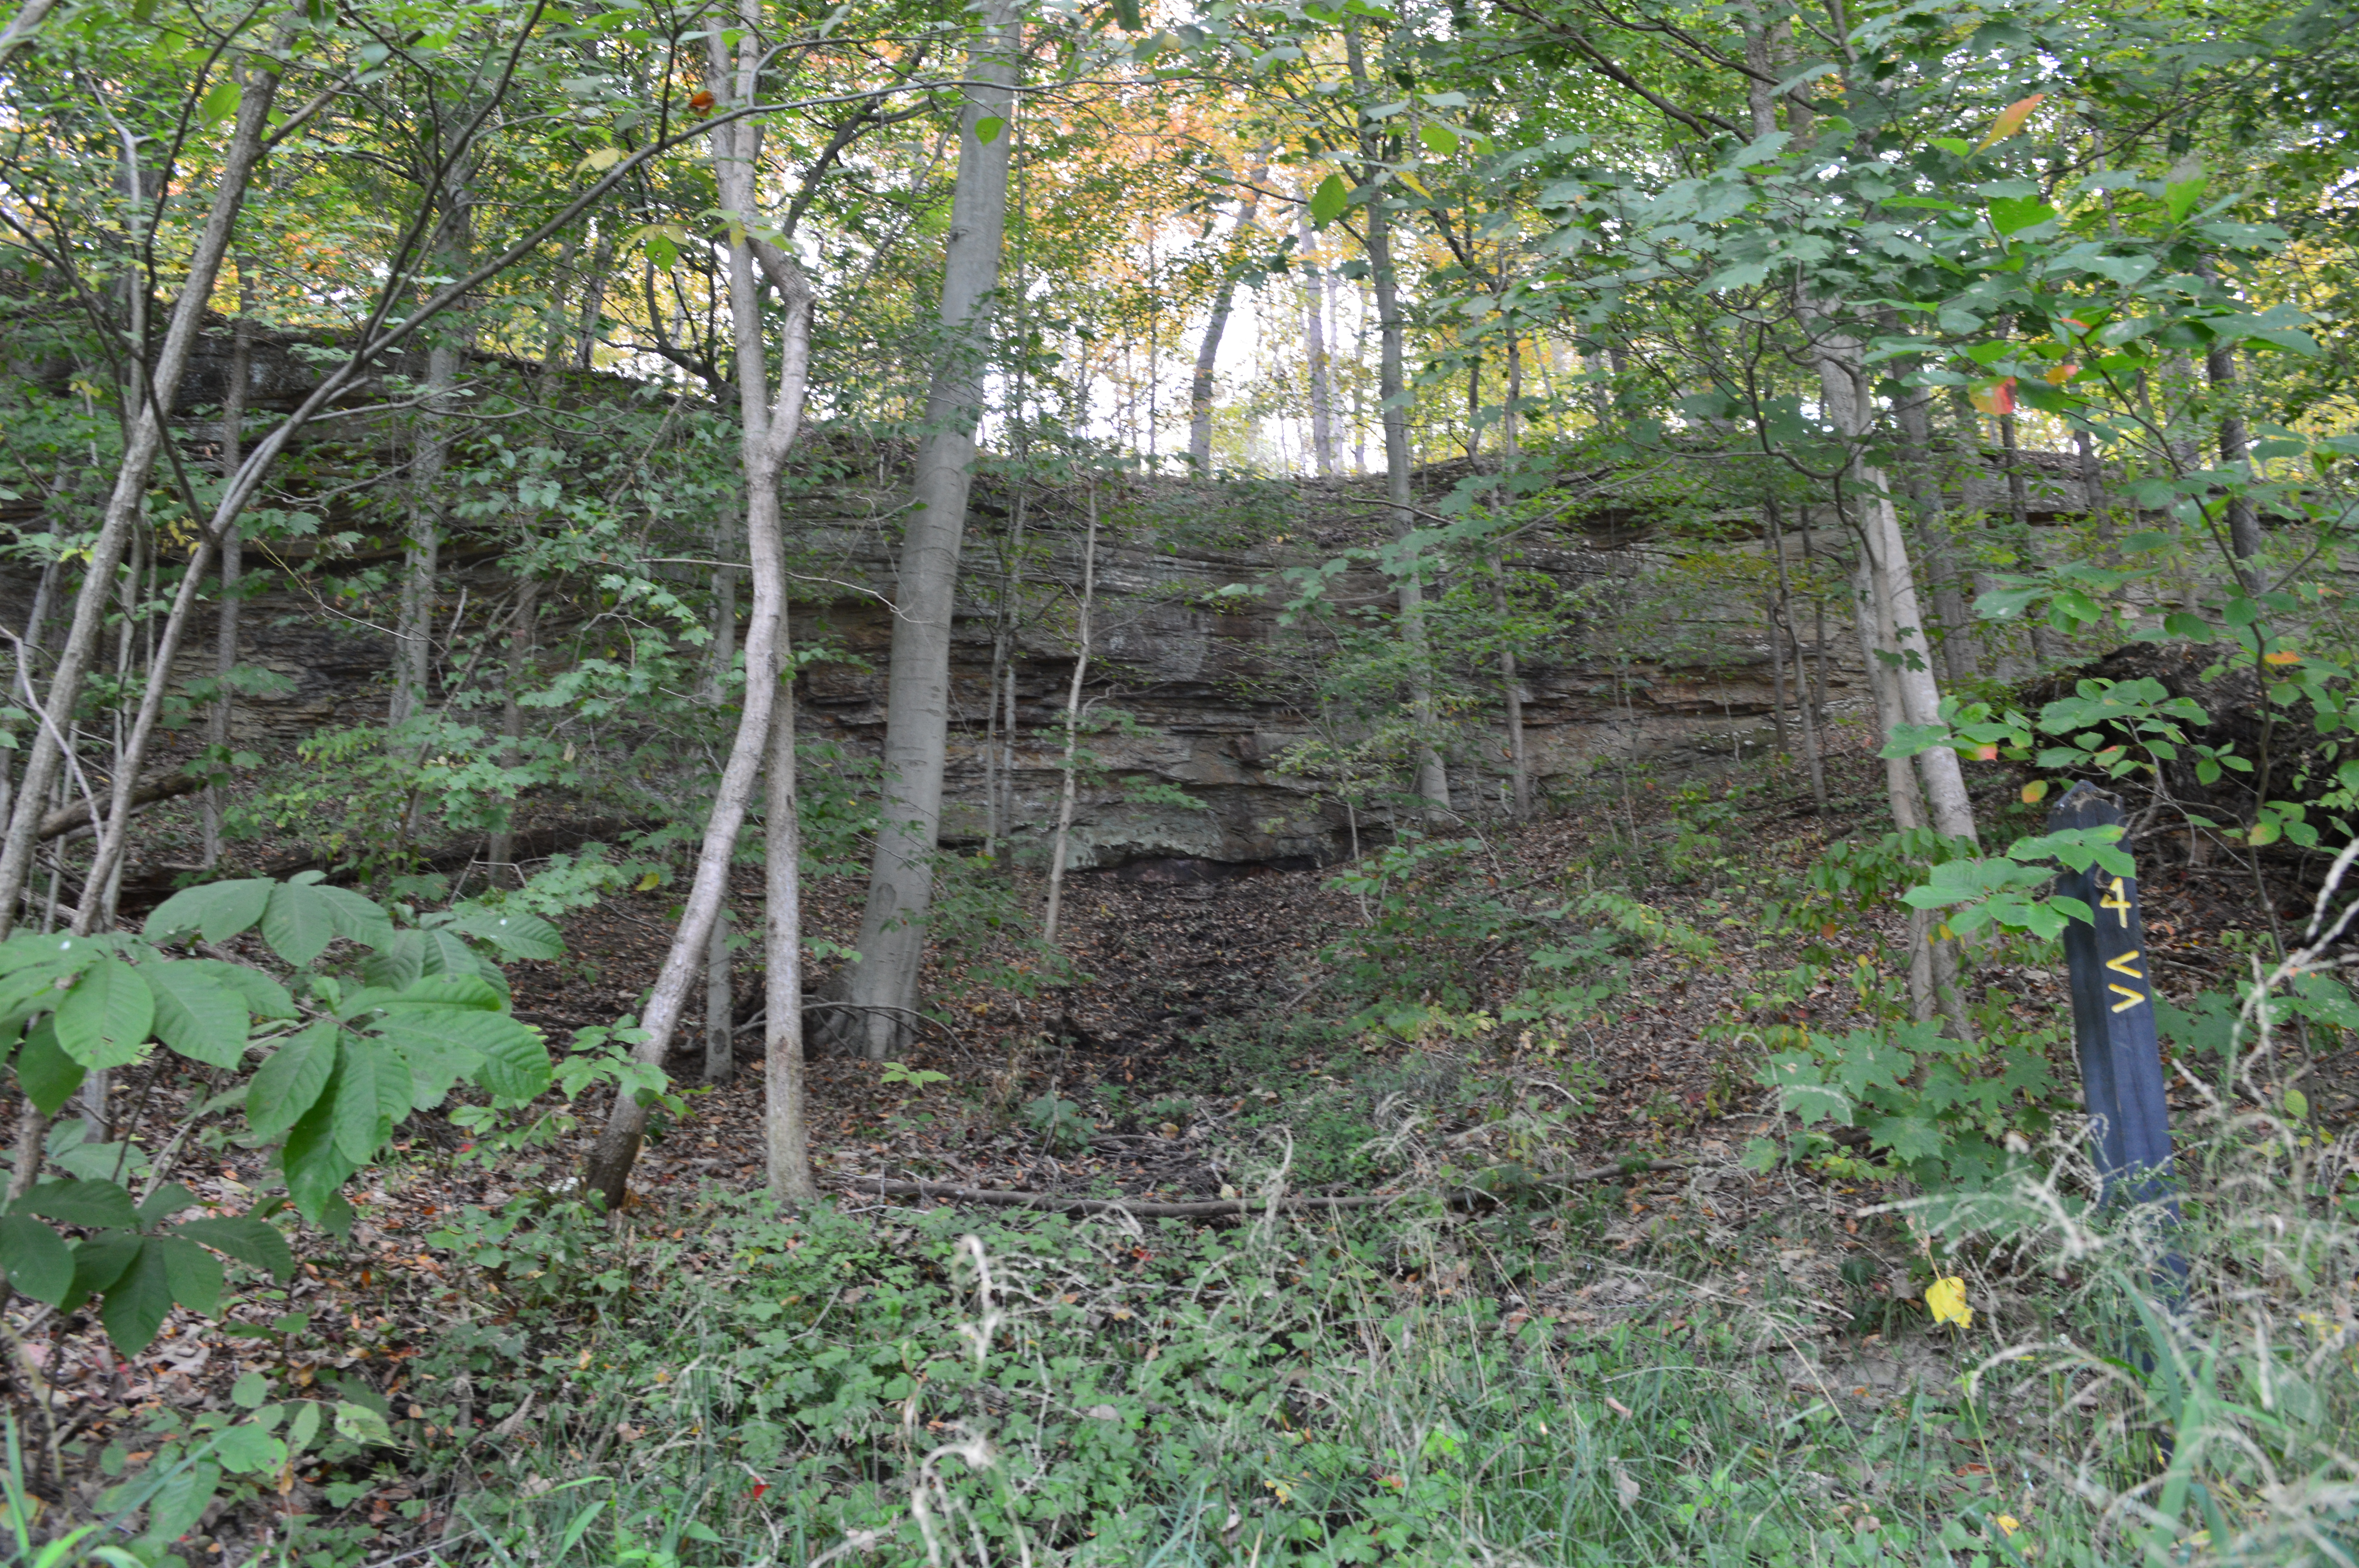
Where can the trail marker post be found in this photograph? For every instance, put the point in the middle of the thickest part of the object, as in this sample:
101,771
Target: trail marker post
2113,1015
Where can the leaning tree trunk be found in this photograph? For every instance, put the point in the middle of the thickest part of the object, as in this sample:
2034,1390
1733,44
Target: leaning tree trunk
144,442
767,432
1887,578
1070,793
883,983
1207,348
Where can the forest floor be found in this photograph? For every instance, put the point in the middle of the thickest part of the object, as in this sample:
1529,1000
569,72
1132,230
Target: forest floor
1197,1047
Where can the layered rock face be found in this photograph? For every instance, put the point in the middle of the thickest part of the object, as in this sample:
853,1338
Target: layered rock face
1212,683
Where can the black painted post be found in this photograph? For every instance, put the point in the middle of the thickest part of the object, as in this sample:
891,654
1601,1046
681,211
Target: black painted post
2113,1014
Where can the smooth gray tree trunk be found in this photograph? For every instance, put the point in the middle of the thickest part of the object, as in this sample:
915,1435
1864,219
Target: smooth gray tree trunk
883,982
769,422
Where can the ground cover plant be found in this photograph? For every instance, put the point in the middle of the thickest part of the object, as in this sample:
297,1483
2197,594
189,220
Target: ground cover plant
1040,783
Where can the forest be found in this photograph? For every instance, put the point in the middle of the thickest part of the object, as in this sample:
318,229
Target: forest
1178,782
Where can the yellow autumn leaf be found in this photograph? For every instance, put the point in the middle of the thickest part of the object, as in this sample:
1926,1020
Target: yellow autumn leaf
2034,792
602,159
1946,1300
2010,120
1414,184
2009,1523
647,881
2282,657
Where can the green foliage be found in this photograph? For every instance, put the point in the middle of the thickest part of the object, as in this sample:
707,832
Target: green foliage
1940,1111
1058,1123
349,1062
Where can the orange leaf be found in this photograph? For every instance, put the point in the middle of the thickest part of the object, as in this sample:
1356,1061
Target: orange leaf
2011,120
1986,753
1998,397
2282,657
2059,374
2034,792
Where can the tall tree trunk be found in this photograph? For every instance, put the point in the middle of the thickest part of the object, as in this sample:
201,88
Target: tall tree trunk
786,1134
413,631
917,717
1207,348
1432,779
1934,528
2244,539
522,626
225,618
1511,685
1072,790
1314,353
2019,511
767,430
720,1000
1885,578
1802,701
143,443
998,741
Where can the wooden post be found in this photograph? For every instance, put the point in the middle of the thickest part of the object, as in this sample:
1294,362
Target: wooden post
2113,1014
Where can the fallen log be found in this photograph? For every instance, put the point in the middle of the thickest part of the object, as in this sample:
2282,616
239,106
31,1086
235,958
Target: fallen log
1202,1208
66,818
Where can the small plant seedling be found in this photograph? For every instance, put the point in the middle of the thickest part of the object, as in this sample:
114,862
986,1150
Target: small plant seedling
916,1077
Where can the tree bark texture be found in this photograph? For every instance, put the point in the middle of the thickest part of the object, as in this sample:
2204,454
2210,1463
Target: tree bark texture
1433,780
767,432
1070,791
883,982
141,446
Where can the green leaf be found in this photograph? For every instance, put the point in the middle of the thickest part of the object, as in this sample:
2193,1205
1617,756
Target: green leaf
1438,140
372,1096
246,1450
1127,14
47,1074
39,1263
358,1423
517,933
192,1274
220,102
264,997
2012,214
443,1042
247,1239
463,991
304,917
134,1306
1328,201
217,911
315,1168
286,1087
33,988
164,1203
179,1504
249,1390
987,128
107,1017
196,1015
87,1201
99,1262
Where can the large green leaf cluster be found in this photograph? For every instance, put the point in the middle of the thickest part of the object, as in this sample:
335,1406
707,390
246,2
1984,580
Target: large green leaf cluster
348,1062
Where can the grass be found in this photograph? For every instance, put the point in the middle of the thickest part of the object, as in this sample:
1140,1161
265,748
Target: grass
902,1386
